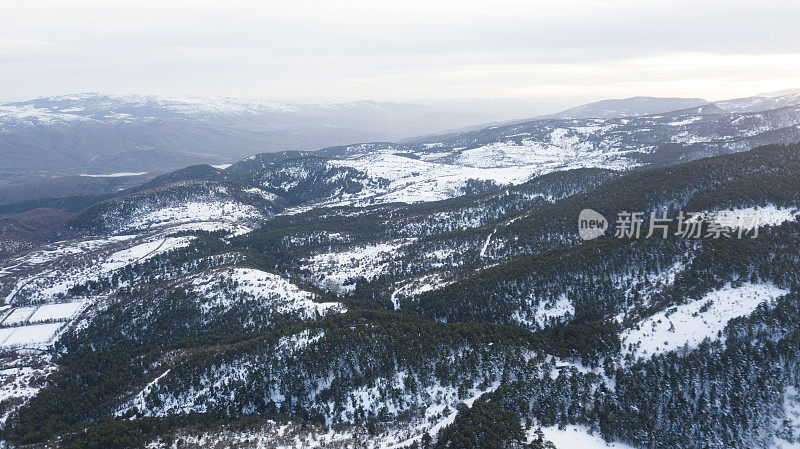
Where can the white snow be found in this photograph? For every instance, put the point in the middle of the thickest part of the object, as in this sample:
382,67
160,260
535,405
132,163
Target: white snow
291,344
273,291
19,315
36,335
145,251
336,270
686,121
49,253
575,437
422,284
689,324
545,313
486,243
46,275
561,308
61,311
749,218
194,211
21,377
427,179
262,193
138,401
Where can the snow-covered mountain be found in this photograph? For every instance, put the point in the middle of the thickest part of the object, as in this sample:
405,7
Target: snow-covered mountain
761,102
420,294
629,107
101,134
446,166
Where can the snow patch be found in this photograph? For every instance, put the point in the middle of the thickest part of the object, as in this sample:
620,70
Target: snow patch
338,270
572,437
280,295
689,324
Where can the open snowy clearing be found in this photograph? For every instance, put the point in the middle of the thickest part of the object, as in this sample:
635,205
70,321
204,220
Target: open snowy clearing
575,437
276,292
691,323
193,211
50,273
145,251
19,315
749,218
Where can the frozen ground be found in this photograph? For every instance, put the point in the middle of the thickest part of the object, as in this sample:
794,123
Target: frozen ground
144,251
60,311
192,212
18,315
46,275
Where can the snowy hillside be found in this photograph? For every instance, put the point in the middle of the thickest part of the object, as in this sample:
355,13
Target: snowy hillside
683,327
221,288
421,295
630,107
448,166
99,134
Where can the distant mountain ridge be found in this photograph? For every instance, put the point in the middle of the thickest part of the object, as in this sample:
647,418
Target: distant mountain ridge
102,134
96,133
639,106
629,107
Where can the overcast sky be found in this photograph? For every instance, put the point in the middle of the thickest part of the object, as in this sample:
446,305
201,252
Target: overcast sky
406,50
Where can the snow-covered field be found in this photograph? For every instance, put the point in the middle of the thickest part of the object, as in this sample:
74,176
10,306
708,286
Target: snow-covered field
46,275
21,378
687,325
19,315
53,251
61,311
34,335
